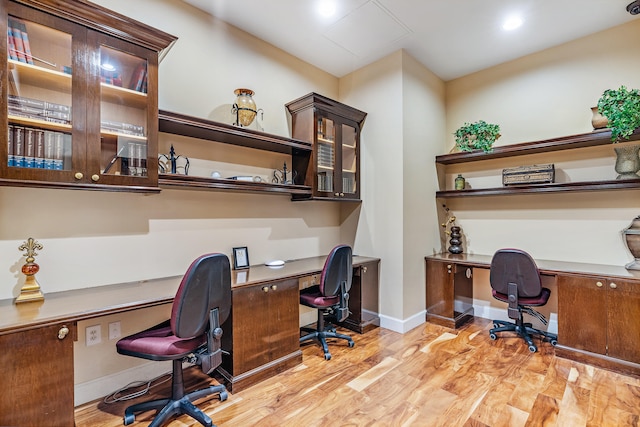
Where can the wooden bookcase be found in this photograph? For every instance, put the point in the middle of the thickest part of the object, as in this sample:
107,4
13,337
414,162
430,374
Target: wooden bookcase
80,97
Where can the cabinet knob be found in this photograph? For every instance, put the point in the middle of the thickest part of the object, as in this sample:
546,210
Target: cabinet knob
613,285
599,284
341,194
274,287
364,269
337,194
78,175
63,332
95,177
265,289
449,266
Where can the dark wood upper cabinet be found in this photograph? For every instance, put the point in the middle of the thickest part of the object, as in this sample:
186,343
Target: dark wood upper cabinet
333,170
80,97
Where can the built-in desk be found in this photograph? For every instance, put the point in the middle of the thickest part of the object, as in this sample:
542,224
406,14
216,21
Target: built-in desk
598,306
36,339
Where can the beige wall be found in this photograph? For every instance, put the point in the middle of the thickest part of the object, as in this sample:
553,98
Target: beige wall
403,133
547,95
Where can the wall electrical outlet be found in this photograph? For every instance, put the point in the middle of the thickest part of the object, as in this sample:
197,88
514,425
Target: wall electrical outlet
93,335
114,330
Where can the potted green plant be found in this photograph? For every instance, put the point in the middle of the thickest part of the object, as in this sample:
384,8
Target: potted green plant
477,136
622,108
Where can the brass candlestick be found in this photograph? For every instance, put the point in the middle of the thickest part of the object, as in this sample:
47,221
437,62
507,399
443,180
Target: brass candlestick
31,289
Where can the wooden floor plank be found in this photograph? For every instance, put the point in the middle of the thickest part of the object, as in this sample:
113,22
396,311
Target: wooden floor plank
430,376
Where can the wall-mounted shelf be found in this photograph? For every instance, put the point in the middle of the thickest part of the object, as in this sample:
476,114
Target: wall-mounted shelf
591,139
193,127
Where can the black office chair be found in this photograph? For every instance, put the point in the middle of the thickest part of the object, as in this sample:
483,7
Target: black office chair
330,297
515,280
202,303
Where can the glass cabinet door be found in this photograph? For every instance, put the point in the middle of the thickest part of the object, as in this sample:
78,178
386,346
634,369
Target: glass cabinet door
326,155
123,113
349,160
39,100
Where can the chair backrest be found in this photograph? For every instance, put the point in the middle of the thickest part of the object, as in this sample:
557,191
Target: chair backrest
206,285
337,269
515,266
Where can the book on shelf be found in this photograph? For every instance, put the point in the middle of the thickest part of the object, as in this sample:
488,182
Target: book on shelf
134,163
18,146
39,152
38,103
37,113
29,148
21,40
138,78
121,127
49,145
11,159
11,47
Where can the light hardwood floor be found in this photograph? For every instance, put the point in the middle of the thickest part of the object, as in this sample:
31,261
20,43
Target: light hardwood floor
430,376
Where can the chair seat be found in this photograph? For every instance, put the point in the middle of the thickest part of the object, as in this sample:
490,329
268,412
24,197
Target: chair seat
312,297
532,301
159,343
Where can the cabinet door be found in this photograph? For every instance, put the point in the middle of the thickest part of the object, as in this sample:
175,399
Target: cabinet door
363,298
326,156
37,378
582,313
623,320
281,326
46,73
122,121
251,335
439,292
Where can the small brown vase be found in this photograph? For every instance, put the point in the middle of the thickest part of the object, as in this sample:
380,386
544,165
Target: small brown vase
598,121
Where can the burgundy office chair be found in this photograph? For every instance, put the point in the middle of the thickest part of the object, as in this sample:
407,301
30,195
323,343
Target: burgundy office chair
202,303
515,280
330,297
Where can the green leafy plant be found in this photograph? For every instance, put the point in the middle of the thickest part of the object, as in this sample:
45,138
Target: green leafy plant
622,108
479,135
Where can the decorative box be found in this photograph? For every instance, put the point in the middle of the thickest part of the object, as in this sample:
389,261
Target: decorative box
531,174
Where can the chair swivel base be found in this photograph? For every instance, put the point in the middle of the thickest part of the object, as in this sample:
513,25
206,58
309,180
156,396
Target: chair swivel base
524,330
321,338
171,407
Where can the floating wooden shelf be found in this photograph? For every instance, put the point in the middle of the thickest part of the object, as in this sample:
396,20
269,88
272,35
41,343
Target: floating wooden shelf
202,183
179,124
591,139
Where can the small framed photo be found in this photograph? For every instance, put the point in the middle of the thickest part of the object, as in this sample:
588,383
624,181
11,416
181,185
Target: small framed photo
240,258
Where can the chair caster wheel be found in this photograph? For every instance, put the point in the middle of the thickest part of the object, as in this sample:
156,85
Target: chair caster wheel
129,419
327,356
533,348
223,396
351,344
493,336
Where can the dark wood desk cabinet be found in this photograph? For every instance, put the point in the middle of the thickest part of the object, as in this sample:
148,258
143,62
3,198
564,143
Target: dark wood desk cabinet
598,306
598,318
363,298
262,333
449,293
40,390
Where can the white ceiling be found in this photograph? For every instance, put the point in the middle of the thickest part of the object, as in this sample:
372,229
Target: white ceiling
452,38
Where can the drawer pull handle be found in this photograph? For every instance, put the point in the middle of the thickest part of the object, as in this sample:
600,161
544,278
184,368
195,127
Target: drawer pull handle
95,177
599,284
274,287
78,175
613,285
265,288
63,332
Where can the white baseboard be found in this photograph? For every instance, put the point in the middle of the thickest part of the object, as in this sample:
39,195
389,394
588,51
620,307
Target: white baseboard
103,386
402,326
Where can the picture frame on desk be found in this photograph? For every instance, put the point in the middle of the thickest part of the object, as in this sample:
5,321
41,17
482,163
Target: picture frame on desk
240,258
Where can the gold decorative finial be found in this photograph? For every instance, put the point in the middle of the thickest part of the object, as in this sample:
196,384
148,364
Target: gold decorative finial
31,289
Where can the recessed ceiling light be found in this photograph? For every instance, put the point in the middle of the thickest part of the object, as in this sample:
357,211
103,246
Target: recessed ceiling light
511,23
327,8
